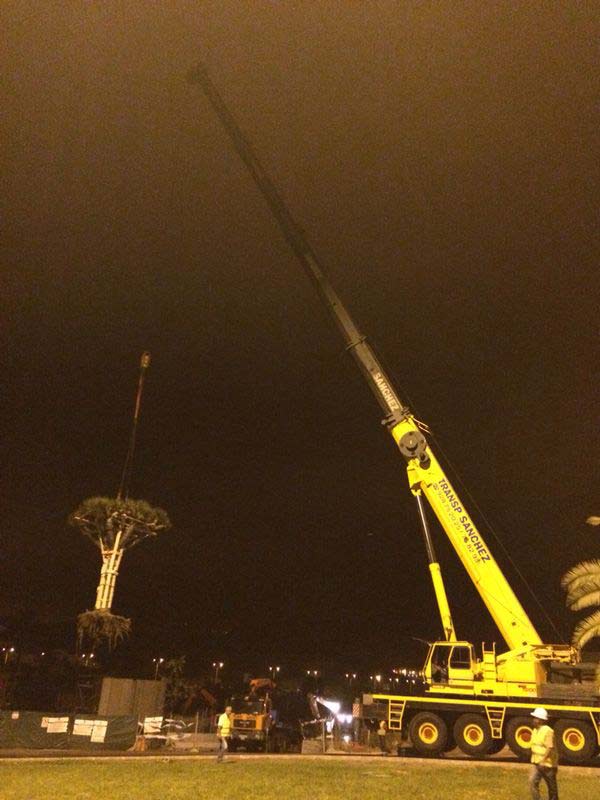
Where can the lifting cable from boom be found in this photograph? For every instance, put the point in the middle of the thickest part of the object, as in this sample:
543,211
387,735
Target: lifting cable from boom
123,493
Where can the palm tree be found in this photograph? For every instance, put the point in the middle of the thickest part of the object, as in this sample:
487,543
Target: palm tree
582,584
113,525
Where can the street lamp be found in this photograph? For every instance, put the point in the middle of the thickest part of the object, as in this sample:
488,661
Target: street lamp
376,680
7,653
157,662
218,665
273,671
350,676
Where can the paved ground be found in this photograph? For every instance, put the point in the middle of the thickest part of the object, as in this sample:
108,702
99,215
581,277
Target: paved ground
508,761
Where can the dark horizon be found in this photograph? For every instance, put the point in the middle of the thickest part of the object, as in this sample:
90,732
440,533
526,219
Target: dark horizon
441,162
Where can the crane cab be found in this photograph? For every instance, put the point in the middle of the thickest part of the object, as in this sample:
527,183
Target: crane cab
451,666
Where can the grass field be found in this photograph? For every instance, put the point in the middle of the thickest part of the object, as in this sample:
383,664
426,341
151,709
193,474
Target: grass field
266,779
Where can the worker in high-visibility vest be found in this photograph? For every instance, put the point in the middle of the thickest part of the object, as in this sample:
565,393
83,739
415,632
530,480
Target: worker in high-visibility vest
224,732
544,757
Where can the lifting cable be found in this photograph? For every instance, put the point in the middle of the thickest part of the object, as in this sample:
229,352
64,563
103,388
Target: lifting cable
498,540
473,502
123,493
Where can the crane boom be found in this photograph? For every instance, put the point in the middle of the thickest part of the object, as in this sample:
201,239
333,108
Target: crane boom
356,343
426,477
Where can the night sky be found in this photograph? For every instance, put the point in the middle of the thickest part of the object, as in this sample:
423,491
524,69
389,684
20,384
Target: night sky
443,161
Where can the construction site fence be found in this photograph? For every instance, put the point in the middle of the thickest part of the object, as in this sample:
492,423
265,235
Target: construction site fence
38,730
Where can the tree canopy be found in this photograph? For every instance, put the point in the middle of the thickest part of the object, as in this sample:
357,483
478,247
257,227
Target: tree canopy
102,518
582,585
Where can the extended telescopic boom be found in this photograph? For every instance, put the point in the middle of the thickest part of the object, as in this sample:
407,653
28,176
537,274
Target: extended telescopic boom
426,476
355,341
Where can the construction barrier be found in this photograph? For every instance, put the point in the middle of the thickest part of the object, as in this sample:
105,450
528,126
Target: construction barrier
52,731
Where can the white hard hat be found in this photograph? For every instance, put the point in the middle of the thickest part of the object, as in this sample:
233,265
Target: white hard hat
540,713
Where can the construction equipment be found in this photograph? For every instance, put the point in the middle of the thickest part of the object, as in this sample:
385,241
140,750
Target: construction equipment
266,719
477,702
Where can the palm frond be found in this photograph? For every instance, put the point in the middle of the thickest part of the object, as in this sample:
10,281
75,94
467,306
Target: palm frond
589,596
587,629
580,573
581,589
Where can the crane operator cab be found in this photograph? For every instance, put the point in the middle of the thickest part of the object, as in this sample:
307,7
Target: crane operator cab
450,664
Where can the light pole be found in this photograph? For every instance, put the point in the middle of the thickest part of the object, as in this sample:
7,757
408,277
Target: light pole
8,651
218,665
350,676
376,679
313,673
157,662
274,671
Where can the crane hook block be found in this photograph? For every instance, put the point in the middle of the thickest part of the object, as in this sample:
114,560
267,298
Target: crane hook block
414,445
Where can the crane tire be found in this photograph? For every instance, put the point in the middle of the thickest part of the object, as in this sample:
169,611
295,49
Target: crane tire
472,734
575,740
428,733
518,736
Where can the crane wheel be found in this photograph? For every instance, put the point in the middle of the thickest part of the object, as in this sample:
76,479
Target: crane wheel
518,736
428,733
472,735
575,740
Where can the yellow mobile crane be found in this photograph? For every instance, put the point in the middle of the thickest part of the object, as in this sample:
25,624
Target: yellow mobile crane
475,702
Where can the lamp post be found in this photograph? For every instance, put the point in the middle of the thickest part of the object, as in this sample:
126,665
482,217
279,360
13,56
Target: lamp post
274,671
376,679
313,673
218,665
8,651
157,662
351,676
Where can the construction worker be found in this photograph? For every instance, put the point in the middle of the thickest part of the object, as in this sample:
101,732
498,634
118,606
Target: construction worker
224,732
544,757
382,736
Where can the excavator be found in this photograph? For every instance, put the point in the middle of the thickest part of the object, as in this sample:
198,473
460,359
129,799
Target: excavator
476,701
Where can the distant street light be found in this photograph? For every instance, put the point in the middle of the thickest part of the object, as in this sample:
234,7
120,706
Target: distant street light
157,662
218,665
350,676
8,651
274,671
376,679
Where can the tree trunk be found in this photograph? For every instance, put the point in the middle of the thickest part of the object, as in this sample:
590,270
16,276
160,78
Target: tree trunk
111,560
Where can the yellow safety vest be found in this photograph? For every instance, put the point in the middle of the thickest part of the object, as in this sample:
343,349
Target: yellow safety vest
224,724
542,740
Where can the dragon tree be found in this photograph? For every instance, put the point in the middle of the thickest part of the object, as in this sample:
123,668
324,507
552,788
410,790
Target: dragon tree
114,525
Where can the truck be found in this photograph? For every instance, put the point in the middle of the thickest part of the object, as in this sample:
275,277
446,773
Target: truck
478,701
266,719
